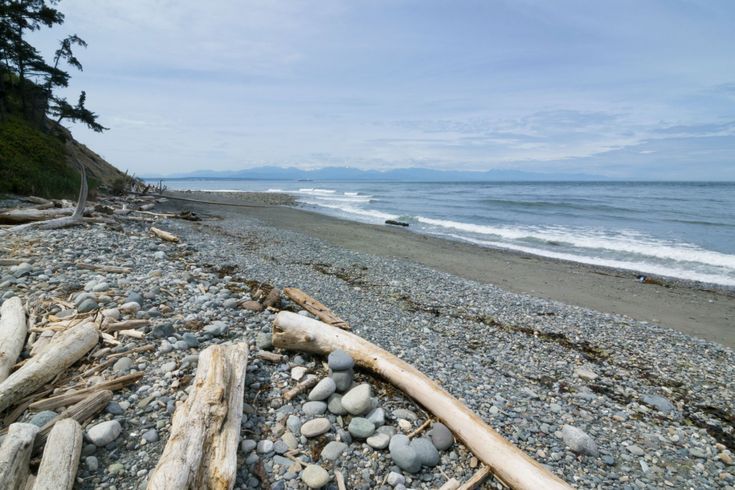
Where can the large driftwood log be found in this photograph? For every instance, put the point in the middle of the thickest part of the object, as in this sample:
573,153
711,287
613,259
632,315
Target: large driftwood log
28,215
202,449
315,308
511,465
15,453
64,350
13,329
60,460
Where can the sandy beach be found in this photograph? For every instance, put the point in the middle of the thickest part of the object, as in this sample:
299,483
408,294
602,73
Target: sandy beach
694,309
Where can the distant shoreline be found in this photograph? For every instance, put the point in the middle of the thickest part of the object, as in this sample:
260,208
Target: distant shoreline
695,308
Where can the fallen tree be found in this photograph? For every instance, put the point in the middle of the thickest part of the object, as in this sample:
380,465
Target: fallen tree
201,451
508,463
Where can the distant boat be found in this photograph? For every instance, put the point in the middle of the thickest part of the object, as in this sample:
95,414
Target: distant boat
305,180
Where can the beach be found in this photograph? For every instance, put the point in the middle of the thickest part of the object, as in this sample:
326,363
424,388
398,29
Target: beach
600,399
703,311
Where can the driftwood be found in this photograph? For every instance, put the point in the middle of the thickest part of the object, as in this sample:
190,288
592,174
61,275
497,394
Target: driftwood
306,384
58,468
81,412
508,463
476,479
28,215
315,308
269,356
112,269
164,235
13,329
202,449
15,454
124,325
73,397
64,350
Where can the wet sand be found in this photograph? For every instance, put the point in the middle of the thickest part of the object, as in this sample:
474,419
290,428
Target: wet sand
692,309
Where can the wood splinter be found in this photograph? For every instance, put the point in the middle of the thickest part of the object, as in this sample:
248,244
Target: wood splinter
508,463
164,235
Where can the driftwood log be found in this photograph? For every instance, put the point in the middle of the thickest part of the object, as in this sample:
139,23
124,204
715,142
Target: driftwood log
28,215
13,329
81,412
201,451
315,308
508,463
65,349
164,235
15,453
58,468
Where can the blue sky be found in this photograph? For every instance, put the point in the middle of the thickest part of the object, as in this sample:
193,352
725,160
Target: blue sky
624,89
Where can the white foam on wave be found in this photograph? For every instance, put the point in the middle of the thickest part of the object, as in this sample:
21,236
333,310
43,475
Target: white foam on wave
314,190
646,267
628,242
368,213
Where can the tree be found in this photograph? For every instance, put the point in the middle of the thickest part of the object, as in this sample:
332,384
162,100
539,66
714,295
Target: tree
78,113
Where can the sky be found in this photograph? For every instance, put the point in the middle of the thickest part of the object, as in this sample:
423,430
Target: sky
623,89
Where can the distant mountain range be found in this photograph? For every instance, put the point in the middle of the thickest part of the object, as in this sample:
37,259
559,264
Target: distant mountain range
399,174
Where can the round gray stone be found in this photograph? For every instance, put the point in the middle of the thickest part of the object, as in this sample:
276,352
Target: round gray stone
333,450
104,433
312,409
378,441
361,428
426,452
314,476
357,400
405,457
334,405
323,390
41,418
340,360
578,440
441,436
342,379
315,427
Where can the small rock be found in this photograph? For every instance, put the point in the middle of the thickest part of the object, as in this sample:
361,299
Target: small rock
293,422
402,413
122,365
357,400
314,408
248,445
378,441
91,463
334,405
635,450
265,446
342,379
264,341
586,373
130,307
377,417
298,372
41,418
426,452
290,440
361,428
150,435
659,402
315,427
323,390
395,479
441,436
87,305
216,328
252,306
333,450
314,476
104,433
162,331
578,440
403,455
340,360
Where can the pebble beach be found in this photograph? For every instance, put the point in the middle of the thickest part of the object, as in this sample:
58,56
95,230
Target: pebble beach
600,399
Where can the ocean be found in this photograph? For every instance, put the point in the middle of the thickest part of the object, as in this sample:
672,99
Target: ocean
684,230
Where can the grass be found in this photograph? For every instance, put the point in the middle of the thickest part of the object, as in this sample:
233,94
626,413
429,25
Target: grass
34,163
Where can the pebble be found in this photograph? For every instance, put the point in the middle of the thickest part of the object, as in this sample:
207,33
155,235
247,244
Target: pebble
87,305
441,436
315,427
334,405
395,479
298,372
578,440
333,450
248,445
340,360
402,413
659,402
42,418
312,409
216,328
361,428
264,341
377,417
378,441
150,435
91,463
122,365
403,455
104,433
425,451
314,476
357,400
265,446
322,390
342,379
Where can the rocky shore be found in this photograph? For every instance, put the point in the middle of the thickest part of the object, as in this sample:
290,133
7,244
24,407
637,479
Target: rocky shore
603,401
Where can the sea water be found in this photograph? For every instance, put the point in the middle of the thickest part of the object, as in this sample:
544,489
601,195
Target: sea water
678,229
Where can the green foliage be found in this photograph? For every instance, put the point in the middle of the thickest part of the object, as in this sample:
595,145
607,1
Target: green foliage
32,162
121,185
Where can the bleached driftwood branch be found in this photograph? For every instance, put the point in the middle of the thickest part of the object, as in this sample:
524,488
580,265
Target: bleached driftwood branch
164,235
511,465
315,308
15,453
58,468
64,350
202,449
13,329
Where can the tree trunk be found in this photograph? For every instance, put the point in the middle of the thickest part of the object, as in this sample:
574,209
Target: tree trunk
15,453
511,465
202,449
65,349
60,460
13,329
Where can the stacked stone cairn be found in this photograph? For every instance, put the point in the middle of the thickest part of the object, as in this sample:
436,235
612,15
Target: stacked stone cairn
338,394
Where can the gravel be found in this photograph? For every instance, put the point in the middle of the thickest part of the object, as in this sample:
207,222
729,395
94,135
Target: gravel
509,357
